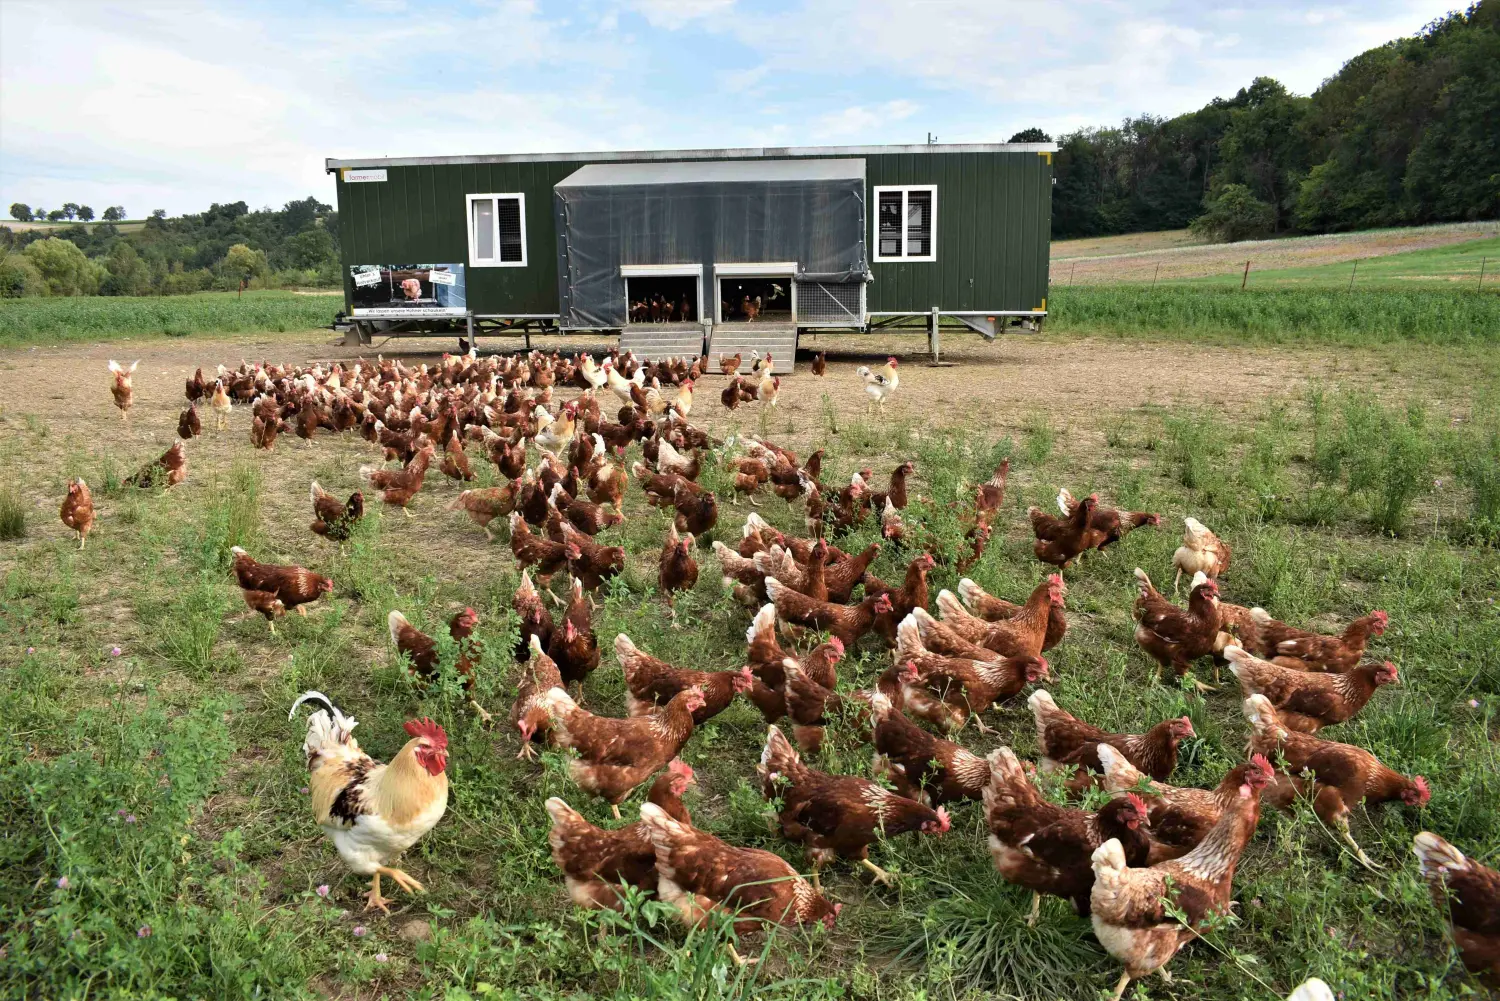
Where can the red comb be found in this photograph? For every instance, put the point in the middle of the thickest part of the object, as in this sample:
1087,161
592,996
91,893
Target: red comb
679,767
1137,802
425,727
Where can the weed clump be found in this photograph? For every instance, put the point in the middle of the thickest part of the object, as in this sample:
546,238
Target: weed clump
12,515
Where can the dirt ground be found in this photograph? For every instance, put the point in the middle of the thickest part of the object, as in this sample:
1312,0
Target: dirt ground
1080,386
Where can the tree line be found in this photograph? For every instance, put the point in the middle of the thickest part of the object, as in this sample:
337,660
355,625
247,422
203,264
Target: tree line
228,247
21,212
1405,133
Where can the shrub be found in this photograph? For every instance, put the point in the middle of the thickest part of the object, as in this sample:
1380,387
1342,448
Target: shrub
65,268
19,277
1234,213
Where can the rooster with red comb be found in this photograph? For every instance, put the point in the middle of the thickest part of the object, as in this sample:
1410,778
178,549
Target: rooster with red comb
373,811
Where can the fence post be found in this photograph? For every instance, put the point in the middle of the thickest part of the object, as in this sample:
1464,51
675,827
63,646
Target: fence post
934,341
1482,262
1154,276
1246,277
1075,268
1353,273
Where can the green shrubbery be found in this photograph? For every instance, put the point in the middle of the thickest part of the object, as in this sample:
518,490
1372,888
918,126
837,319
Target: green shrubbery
93,318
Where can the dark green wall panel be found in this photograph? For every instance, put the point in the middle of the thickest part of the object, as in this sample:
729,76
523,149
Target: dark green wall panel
994,222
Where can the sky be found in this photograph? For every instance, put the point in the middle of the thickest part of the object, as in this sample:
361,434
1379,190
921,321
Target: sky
178,105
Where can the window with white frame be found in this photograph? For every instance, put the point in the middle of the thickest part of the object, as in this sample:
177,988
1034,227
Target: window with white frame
906,222
497,230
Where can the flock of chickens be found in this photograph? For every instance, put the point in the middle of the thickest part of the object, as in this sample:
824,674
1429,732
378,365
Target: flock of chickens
1150,866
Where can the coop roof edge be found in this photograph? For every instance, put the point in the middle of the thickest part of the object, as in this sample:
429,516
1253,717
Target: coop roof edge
332,163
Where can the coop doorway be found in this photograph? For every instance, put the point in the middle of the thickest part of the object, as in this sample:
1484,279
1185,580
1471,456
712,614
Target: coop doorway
750,295
663,294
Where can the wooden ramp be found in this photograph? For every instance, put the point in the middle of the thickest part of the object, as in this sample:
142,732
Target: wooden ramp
778,340
655,341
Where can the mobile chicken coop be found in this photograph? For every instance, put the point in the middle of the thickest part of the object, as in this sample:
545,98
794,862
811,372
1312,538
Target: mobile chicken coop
689,251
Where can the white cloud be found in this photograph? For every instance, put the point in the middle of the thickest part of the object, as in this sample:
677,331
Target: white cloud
153,105
674,14
859,120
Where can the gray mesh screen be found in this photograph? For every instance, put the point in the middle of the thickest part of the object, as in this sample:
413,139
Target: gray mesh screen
829,302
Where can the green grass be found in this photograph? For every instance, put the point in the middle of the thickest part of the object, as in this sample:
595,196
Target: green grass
162,784
1455,266
12,514
1456,316
87,318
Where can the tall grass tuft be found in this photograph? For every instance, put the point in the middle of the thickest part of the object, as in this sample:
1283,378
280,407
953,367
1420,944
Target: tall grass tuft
12,514
231,518
1382,453
1195,444
980,940
1476,462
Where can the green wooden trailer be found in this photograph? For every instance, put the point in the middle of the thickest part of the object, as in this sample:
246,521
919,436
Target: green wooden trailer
681,251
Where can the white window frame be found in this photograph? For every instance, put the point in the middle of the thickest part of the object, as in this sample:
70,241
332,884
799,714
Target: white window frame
905,189
475,261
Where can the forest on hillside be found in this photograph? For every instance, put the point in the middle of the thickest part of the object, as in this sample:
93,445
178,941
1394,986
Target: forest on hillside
1405,133
226,248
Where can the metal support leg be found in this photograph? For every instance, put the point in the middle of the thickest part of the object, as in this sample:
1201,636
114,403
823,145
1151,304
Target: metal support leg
934,338
469,326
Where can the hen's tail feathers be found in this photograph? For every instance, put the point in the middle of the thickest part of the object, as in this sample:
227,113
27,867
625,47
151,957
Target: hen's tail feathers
561,813
395,622
909,638
1262,716
314,492
1041,702
1199,579
661,828
625,651
764,623
1311,989
779,756
1435,855
1108,856
755,522
970,592
458,501
1065,502
1145,581
1119,773
950,607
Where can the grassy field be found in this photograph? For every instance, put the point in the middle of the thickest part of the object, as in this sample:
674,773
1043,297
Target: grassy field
1467,265
1156,258
158,844
92,318
1281,315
